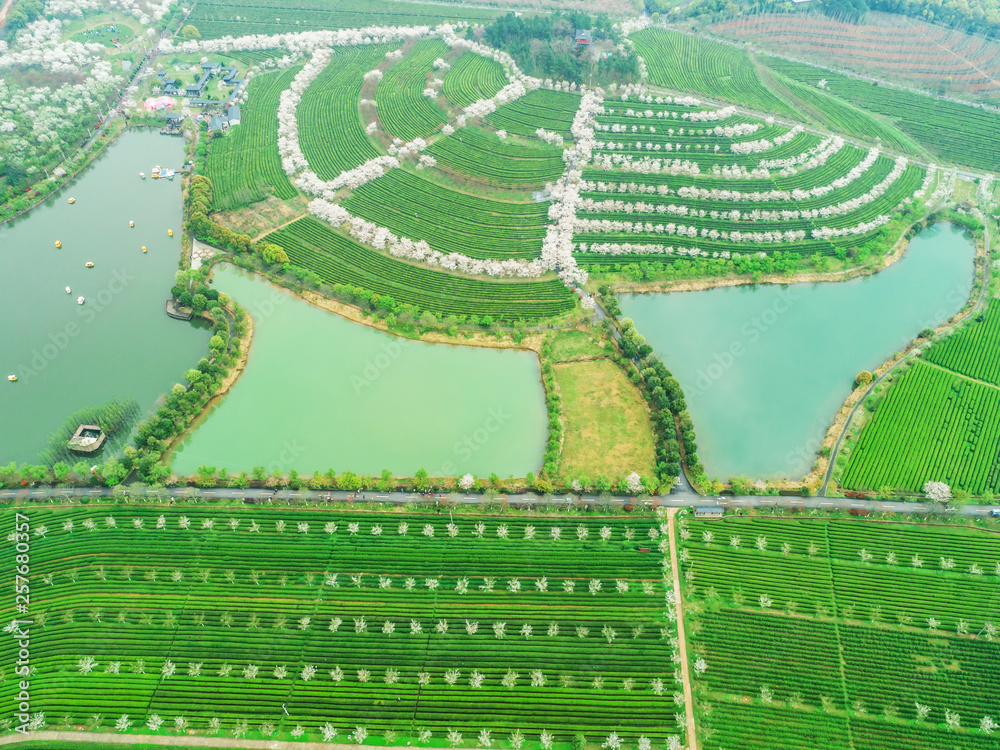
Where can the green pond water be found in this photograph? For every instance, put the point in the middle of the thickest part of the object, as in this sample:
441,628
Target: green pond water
321,392
119,344
765,368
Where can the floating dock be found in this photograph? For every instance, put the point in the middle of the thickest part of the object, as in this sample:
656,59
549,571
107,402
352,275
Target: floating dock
177,312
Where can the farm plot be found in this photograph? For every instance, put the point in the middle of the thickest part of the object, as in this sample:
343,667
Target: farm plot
321,625
932,425
806,633
332,135
688,63
955,133
244,166
550,110
843,117
728,186
219,18
907,50
450,221
339,260
403,109
974,350
473,77
478,155
647,132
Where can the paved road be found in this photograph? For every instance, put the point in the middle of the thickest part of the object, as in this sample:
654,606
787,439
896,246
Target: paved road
679,497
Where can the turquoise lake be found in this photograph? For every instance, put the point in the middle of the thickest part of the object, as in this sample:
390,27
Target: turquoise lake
765,368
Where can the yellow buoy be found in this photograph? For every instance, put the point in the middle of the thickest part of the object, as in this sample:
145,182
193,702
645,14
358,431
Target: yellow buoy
144,248
58,243
170,233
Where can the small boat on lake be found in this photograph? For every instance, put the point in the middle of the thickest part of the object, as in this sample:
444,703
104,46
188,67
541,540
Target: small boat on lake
80,300
170,233
72,201
167,174
144,248
142,175
58,243
89,264
155,174
67,290
12,378
131,223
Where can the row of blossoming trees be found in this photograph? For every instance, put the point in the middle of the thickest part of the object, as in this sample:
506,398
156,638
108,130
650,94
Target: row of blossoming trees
803,641
731,187
671,180
345,626
330,155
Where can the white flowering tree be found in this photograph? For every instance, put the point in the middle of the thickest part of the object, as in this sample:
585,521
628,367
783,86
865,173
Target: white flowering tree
937,491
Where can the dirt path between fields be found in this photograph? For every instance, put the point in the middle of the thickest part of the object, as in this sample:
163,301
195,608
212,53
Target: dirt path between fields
112,738
692,742
282,225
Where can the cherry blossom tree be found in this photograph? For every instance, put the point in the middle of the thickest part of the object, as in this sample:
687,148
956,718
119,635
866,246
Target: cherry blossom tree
937,491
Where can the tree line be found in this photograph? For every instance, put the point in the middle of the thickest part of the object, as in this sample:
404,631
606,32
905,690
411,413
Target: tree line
545,46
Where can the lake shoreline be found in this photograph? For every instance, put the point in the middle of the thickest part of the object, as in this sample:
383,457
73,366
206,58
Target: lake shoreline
447,402
348,312
869,269
796,425
93,157
69,356
816,478
229,381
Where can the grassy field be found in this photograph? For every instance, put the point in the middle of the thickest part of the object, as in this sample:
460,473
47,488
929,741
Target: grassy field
607,425
313,624
575,345
828,634
106,31
99,746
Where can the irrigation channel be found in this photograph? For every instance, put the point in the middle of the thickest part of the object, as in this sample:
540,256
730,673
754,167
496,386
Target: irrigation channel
321,392
765,368
118,344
